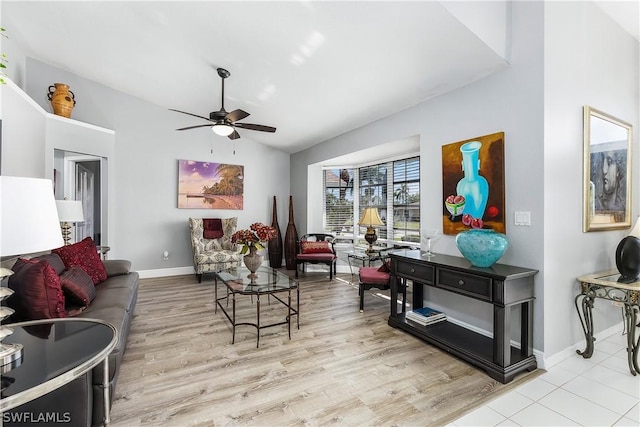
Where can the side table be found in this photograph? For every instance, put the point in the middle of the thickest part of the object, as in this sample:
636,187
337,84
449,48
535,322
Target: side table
608,286
55,352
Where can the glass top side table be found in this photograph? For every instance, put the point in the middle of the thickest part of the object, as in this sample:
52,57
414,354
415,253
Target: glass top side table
56,351
607,285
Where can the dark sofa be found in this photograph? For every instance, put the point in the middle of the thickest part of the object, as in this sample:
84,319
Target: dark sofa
114,302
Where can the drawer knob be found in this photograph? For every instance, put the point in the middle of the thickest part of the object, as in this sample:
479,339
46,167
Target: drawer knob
413,270
460,282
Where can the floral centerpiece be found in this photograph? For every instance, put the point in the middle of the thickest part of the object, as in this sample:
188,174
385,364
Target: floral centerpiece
253,239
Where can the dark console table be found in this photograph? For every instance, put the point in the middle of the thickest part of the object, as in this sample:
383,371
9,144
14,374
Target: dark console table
502,286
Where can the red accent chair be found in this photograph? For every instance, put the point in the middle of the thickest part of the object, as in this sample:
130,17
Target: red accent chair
316,248
372,277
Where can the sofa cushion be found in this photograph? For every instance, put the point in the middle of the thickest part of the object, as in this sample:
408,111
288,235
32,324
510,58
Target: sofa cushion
116,267
84,255
78,287
38,294
315,247
53,259
216,257
117,292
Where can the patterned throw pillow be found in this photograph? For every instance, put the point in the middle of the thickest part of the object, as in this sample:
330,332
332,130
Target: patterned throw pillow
315,247
38,294
84,255
78,287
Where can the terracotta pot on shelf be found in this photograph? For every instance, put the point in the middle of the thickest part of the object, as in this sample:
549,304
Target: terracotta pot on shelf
62,99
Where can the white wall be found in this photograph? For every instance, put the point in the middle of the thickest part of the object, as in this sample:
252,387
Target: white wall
508,101
589,60
564,55
147,149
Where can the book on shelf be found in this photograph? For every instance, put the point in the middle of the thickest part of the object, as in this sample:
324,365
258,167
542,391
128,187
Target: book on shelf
425,316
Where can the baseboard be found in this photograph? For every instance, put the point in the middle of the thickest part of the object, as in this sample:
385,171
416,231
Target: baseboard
165,272
562,355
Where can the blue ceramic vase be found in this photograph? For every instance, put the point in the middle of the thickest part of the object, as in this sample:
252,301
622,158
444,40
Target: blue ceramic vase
482,246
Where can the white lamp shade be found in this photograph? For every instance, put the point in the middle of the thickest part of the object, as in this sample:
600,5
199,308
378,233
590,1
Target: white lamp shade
28,216
70,210
370,218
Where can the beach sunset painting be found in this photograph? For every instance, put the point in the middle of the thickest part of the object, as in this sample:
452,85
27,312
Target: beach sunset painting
208,185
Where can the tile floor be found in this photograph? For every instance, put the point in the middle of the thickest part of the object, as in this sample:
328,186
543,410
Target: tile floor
599,391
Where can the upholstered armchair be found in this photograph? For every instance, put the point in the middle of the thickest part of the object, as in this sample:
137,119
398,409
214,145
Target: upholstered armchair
373,277
211,255
316,248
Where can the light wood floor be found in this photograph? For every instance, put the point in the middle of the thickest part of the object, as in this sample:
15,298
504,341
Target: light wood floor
342,367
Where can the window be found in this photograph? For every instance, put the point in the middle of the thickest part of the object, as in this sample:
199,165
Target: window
392,187
338,200
406,200
373,193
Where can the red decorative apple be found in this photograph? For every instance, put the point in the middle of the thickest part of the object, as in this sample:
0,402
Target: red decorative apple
466,219
493,212
477,223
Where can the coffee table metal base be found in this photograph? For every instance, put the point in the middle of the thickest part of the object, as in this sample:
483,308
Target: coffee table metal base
232,317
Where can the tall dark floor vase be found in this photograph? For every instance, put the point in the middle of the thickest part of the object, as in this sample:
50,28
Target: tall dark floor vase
290,240
275,244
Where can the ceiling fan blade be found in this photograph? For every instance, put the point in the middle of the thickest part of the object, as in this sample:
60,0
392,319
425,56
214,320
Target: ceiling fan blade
193,127
190,114
251,126
236,115
234,135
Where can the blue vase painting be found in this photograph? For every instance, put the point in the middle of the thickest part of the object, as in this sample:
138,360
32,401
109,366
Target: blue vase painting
473,184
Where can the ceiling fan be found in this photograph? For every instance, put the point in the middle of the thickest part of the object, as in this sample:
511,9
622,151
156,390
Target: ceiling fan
224,123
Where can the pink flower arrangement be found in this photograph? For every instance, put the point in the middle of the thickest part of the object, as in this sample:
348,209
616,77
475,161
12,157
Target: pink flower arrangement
253,238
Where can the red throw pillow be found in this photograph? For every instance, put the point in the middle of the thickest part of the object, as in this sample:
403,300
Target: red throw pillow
315,247
78,287
385,267
38,294
84,255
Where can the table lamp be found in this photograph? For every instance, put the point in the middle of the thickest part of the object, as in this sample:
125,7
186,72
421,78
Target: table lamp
28,224
370,219
69,211
628,255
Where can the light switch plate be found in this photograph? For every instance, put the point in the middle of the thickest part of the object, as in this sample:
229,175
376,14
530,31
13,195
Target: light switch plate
522,218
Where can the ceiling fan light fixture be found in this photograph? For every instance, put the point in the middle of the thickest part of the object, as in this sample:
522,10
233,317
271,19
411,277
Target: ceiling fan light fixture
222,129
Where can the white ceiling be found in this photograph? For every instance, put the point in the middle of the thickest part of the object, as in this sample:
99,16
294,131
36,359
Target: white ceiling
312,69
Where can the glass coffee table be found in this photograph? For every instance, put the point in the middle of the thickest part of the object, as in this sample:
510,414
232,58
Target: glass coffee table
268,281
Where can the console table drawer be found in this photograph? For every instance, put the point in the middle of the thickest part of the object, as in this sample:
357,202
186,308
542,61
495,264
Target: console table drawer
422,273
474,286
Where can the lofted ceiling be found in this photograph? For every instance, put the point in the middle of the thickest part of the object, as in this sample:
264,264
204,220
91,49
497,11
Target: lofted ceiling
312,69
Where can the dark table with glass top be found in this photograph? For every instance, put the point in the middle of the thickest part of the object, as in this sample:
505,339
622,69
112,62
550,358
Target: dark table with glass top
266,281
55,352
609,285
